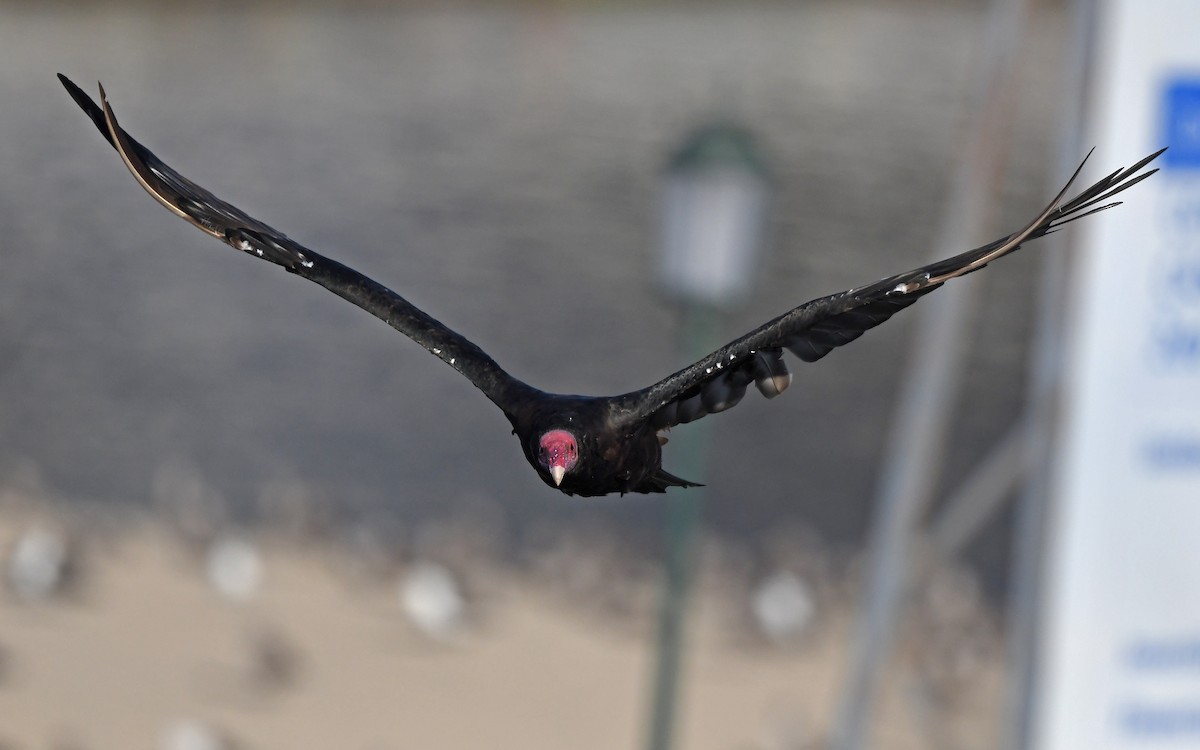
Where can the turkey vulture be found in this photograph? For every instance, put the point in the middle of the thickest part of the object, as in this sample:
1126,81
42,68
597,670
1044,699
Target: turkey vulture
586,445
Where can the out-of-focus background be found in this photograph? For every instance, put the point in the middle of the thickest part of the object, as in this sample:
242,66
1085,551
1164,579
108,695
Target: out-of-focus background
236,509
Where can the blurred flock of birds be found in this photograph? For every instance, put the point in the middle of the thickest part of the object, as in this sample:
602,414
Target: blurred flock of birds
445,591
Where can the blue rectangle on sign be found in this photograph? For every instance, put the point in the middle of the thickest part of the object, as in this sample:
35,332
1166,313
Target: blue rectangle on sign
1181,122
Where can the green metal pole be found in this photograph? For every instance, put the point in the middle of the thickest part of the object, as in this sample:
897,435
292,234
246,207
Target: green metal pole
699,325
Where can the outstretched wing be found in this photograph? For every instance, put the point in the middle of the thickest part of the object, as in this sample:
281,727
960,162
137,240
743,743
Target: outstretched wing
815,328
231,225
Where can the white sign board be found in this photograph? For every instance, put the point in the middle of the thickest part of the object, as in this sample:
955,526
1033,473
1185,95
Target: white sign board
1120,647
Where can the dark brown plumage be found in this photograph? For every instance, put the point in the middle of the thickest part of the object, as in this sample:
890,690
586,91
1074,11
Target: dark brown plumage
598,445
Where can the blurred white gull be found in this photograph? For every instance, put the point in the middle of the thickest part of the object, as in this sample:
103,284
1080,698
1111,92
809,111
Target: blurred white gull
234,567
433,600
783,606
40,563
192,734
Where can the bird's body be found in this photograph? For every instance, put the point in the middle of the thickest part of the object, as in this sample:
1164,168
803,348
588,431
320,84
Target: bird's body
591,445
623,455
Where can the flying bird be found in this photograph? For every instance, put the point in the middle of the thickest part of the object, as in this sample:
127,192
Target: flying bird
590,445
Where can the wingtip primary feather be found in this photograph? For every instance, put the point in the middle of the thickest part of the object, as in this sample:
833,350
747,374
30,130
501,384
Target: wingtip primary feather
89,107
1146,161
1085,204
141,172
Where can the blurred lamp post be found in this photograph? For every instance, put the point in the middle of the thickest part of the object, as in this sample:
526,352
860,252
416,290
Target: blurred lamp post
715,197
715,200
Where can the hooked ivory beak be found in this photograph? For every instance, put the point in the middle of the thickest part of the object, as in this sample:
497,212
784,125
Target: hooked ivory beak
557,473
